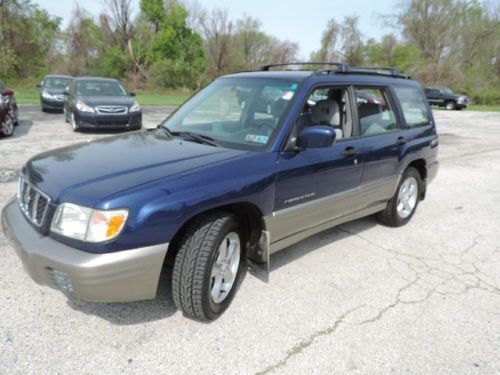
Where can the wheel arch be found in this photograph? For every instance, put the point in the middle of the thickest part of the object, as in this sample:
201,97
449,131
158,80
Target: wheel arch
421,166
248,214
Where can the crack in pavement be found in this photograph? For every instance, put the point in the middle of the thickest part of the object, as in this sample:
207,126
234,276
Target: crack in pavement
298,348
426,267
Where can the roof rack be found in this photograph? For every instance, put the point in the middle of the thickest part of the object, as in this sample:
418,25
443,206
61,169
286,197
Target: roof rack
340,66
375,70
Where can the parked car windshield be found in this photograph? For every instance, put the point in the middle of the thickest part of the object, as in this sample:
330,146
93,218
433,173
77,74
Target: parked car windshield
100,88
56,83
239,113
448,91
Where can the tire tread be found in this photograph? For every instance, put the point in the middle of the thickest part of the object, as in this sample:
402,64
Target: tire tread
192,262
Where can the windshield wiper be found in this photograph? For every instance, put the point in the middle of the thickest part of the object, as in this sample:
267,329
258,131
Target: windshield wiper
195,137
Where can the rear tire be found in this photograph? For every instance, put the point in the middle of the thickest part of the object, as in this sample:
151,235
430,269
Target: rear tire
208,265
403,204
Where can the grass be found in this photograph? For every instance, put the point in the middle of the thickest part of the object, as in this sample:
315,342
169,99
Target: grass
492,108
27,95
30,95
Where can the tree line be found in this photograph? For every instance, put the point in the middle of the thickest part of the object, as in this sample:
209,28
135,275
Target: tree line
174,43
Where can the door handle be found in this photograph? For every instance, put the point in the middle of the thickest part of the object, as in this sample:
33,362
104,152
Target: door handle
350,152
401,141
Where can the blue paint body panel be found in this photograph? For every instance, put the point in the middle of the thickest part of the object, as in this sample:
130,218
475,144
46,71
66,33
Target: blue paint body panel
164,181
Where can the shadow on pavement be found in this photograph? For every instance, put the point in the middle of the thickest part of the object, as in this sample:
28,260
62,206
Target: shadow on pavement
317,241
22,129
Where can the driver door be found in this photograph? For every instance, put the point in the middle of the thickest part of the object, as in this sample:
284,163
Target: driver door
317,186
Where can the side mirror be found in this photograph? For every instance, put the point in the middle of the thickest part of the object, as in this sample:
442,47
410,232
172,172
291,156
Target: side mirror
132,93
318,136
7,92
65,92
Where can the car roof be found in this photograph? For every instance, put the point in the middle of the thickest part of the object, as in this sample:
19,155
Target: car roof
58,76
102,79
341,77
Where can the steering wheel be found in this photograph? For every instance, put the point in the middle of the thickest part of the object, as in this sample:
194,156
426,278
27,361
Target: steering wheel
260,126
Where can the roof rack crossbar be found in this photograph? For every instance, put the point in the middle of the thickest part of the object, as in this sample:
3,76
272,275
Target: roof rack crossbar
391,69
375,72
340,66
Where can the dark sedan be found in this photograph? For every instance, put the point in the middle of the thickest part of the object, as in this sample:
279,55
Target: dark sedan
51,91
101,103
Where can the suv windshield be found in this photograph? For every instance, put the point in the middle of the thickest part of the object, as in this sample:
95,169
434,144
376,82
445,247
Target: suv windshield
56,83
100,88
239,113
448,91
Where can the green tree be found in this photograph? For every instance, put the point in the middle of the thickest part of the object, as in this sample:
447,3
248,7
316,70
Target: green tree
174,54
27,35
84,43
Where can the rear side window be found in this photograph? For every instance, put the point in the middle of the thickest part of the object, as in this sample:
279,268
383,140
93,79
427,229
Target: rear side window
374,110
414,106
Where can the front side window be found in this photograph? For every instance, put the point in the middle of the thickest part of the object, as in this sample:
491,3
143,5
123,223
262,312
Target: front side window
374,111
239,113
327,106
100,88
414,106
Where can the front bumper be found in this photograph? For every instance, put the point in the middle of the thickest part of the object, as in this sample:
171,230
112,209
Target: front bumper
128,275
109,121
52,104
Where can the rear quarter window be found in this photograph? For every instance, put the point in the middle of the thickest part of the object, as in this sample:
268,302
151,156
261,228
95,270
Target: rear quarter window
414,106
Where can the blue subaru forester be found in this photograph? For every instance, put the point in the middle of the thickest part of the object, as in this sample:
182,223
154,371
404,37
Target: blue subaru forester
251,164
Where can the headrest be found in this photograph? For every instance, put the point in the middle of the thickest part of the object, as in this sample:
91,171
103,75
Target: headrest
369,109
326,112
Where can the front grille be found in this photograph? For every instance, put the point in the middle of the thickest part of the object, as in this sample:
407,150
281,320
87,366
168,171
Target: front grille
111,110
33,203
112,122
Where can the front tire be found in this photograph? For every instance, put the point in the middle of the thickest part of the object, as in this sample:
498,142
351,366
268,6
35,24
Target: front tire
450,105
15,116
74,125
403,204
7,128
208,265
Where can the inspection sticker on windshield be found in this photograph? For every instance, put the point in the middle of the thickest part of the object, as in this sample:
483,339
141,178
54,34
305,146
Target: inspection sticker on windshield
257,138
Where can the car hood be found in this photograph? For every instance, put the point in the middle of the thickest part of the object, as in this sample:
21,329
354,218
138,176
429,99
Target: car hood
54,91
88,172
107,100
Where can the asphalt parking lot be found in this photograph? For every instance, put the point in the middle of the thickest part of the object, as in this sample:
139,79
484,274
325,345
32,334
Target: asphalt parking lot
360,298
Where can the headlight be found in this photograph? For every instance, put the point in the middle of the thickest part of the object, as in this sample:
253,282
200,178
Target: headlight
47,95
135,108
81,106
86,224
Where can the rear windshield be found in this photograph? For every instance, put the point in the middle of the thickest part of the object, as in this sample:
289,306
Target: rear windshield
100,88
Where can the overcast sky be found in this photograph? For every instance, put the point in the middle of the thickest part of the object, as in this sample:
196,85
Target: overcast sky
300,21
